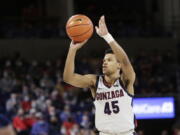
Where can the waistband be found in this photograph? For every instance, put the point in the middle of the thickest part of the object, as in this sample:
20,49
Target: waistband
130,132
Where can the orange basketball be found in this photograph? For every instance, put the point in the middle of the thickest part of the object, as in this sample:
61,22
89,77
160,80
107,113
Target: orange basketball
79,28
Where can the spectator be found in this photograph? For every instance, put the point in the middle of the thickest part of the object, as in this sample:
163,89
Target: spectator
6,83
19,124
30,119
67,126
26,103
54,126
65,114
41,127
60,101
12,104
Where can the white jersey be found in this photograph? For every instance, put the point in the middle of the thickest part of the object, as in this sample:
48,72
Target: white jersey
114,112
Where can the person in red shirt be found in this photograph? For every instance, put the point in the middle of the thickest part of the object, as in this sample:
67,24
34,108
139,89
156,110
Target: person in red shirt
30,119
68,125
26,104
18,122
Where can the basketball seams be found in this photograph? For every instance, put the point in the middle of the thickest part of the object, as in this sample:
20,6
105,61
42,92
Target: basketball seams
82,33
79,30
77,25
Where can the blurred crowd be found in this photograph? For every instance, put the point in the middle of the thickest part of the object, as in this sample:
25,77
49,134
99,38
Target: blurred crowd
34,97
51,28
124,18
37,101
156,74
31,28
32,93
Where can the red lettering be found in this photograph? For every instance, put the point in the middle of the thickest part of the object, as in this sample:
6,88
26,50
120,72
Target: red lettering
113,94
108,95
97,96
104,96
121,93
117,93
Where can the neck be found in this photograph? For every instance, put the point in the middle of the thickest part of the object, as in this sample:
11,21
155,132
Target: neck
111,78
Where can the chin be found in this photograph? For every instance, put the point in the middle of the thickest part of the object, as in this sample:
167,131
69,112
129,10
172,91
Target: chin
105,73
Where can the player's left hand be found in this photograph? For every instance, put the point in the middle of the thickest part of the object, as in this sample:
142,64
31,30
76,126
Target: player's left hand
101,30
77,46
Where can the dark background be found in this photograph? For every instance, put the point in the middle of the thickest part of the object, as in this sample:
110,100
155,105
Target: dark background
34,30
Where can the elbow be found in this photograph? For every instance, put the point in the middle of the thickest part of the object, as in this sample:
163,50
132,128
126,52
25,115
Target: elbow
66,80
65,77
133,75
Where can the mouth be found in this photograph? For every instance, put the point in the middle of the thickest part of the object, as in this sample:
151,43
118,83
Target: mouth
104,67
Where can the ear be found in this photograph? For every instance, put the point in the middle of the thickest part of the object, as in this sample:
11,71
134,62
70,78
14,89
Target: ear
119,65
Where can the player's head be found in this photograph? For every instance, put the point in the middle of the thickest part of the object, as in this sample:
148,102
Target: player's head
110,64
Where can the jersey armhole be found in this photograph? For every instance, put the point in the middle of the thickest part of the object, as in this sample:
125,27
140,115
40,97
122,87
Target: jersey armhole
97,81
125,89
96,86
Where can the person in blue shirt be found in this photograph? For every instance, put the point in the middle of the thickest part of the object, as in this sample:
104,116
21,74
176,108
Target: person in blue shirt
41,127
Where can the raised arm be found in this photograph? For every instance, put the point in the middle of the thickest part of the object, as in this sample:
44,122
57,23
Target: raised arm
69,76
128,72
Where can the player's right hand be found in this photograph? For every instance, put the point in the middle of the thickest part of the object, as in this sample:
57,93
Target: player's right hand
77,46
102,30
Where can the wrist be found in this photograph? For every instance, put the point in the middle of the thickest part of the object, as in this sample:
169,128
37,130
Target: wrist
108,37
72,48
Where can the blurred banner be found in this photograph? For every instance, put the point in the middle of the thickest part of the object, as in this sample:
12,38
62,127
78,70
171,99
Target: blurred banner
154,108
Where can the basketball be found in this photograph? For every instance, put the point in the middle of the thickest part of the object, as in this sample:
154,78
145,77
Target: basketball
79,28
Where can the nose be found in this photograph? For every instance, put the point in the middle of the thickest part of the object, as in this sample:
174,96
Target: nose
104,63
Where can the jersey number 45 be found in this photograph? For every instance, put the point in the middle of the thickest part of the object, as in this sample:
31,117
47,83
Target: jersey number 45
115,107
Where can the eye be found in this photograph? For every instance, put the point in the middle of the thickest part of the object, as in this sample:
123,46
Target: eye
109,59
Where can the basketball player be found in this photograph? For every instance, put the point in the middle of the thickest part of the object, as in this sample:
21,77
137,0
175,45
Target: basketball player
5,126
113,91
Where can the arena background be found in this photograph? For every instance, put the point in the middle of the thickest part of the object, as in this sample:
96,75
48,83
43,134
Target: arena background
34,45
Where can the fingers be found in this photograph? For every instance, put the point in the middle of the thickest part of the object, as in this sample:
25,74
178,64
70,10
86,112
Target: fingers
99,22
102,28
72,42
80,43
102,21
97,29
84,41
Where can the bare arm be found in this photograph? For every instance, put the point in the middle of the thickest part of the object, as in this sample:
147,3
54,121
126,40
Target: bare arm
69,76
128,71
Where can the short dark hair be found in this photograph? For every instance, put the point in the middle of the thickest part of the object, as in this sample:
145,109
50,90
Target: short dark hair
108,51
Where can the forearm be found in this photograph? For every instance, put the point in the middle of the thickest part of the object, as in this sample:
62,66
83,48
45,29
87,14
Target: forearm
118,50
69,65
